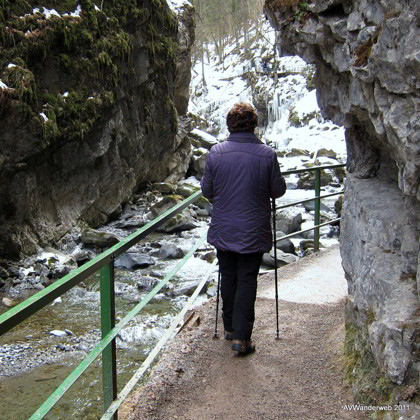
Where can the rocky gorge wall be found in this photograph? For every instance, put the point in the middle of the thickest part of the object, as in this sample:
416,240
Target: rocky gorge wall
89,111
367,78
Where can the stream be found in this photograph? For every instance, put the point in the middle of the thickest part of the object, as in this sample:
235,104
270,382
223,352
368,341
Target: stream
34,361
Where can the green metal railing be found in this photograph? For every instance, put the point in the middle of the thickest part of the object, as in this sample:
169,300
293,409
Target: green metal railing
105,263
318,197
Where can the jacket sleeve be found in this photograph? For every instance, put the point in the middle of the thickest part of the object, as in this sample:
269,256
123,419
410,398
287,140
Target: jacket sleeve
277,184
207,180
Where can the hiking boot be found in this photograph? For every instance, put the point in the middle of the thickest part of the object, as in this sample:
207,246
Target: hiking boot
228,335
243,346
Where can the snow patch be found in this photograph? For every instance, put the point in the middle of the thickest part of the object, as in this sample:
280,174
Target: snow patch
44,117
46,256
77,12
48,13
176,5
23,272
307,105
204,135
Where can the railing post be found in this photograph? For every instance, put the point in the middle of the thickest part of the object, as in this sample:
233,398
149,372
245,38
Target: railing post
109,360
317,207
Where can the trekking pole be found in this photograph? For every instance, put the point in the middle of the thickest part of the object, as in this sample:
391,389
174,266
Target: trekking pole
216,335
275,265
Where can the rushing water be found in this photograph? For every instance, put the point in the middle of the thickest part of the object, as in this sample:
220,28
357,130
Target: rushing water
46,360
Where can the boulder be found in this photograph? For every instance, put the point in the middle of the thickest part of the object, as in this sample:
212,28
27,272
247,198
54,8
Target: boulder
82,255
310,206
205,140
282,258
133,261
198,162
307,179
178,223
146,283
188,186
310,234
8,302
133,223
170,251
204,204
209,256
297,152
326,153
164,187
92,237
4,274
165,204
186,289
288,220
285,245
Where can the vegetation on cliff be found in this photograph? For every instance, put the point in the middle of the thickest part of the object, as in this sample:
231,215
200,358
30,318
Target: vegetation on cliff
63,70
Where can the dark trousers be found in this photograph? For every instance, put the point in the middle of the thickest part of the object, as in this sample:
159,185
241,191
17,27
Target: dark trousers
239,290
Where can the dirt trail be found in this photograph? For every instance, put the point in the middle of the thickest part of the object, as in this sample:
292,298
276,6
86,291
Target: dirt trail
296,377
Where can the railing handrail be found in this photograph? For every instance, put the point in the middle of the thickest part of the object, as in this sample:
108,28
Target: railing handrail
312,169
105,262
106,341
39,300
317,199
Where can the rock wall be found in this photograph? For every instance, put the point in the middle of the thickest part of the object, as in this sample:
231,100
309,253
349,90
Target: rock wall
89,111
368,67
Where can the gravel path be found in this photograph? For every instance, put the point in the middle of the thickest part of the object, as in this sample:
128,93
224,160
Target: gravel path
296,377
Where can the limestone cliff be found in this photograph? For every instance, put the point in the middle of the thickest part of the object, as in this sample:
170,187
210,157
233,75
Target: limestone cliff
368,67
89,104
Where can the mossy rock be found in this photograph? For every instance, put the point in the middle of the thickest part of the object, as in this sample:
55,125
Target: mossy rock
369,385
338,205
165,204
187,189
180,222
307,179
326,153
297,152
164,187
80,55
340,173
98,238
294,119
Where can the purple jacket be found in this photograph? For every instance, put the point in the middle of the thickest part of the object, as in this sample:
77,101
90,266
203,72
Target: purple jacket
241,176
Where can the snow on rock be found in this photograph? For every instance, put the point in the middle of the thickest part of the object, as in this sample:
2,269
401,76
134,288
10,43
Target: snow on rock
175,5
204,139
44,117
307,105
24,272
52,257
3,85
77,12
48,13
